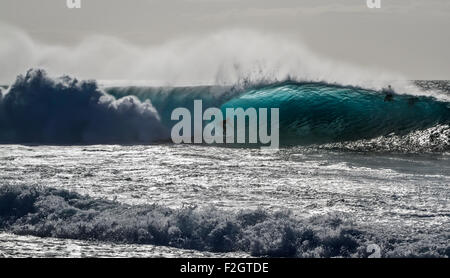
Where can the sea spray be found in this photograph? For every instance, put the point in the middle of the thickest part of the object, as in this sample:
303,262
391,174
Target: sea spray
41,109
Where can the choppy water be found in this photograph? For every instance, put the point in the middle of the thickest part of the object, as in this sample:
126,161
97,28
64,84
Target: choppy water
37,247
398,201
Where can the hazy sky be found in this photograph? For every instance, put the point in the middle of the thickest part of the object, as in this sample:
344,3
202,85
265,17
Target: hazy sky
411,37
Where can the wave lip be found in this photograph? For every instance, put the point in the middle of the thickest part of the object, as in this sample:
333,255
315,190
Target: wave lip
39,109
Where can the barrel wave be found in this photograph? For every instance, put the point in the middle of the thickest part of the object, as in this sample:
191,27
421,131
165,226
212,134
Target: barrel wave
39,109
317,113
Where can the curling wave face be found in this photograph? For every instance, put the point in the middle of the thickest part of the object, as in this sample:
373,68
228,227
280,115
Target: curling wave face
317,113
40,109
328,115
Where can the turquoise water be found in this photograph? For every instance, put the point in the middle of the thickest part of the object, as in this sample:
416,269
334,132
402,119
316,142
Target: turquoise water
315,113
310,113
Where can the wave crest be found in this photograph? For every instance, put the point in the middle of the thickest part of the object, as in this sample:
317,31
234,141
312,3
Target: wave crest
40,109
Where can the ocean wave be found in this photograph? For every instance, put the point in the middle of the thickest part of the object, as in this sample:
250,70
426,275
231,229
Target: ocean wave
40,109
320,113
48,212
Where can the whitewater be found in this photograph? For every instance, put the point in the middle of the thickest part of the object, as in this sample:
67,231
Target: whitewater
187,200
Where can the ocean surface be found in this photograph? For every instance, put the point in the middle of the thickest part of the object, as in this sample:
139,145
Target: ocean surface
87,171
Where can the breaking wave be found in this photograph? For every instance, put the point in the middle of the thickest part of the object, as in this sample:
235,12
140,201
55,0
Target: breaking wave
328,115
49,212
319,113
40,109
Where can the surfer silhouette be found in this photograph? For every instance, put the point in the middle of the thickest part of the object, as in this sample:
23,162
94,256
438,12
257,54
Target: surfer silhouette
389,93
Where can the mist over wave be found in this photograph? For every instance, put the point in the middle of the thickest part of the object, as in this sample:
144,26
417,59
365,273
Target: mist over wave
40,109
226,57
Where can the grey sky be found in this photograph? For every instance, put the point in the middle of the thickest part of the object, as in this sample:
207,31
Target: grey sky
407,36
